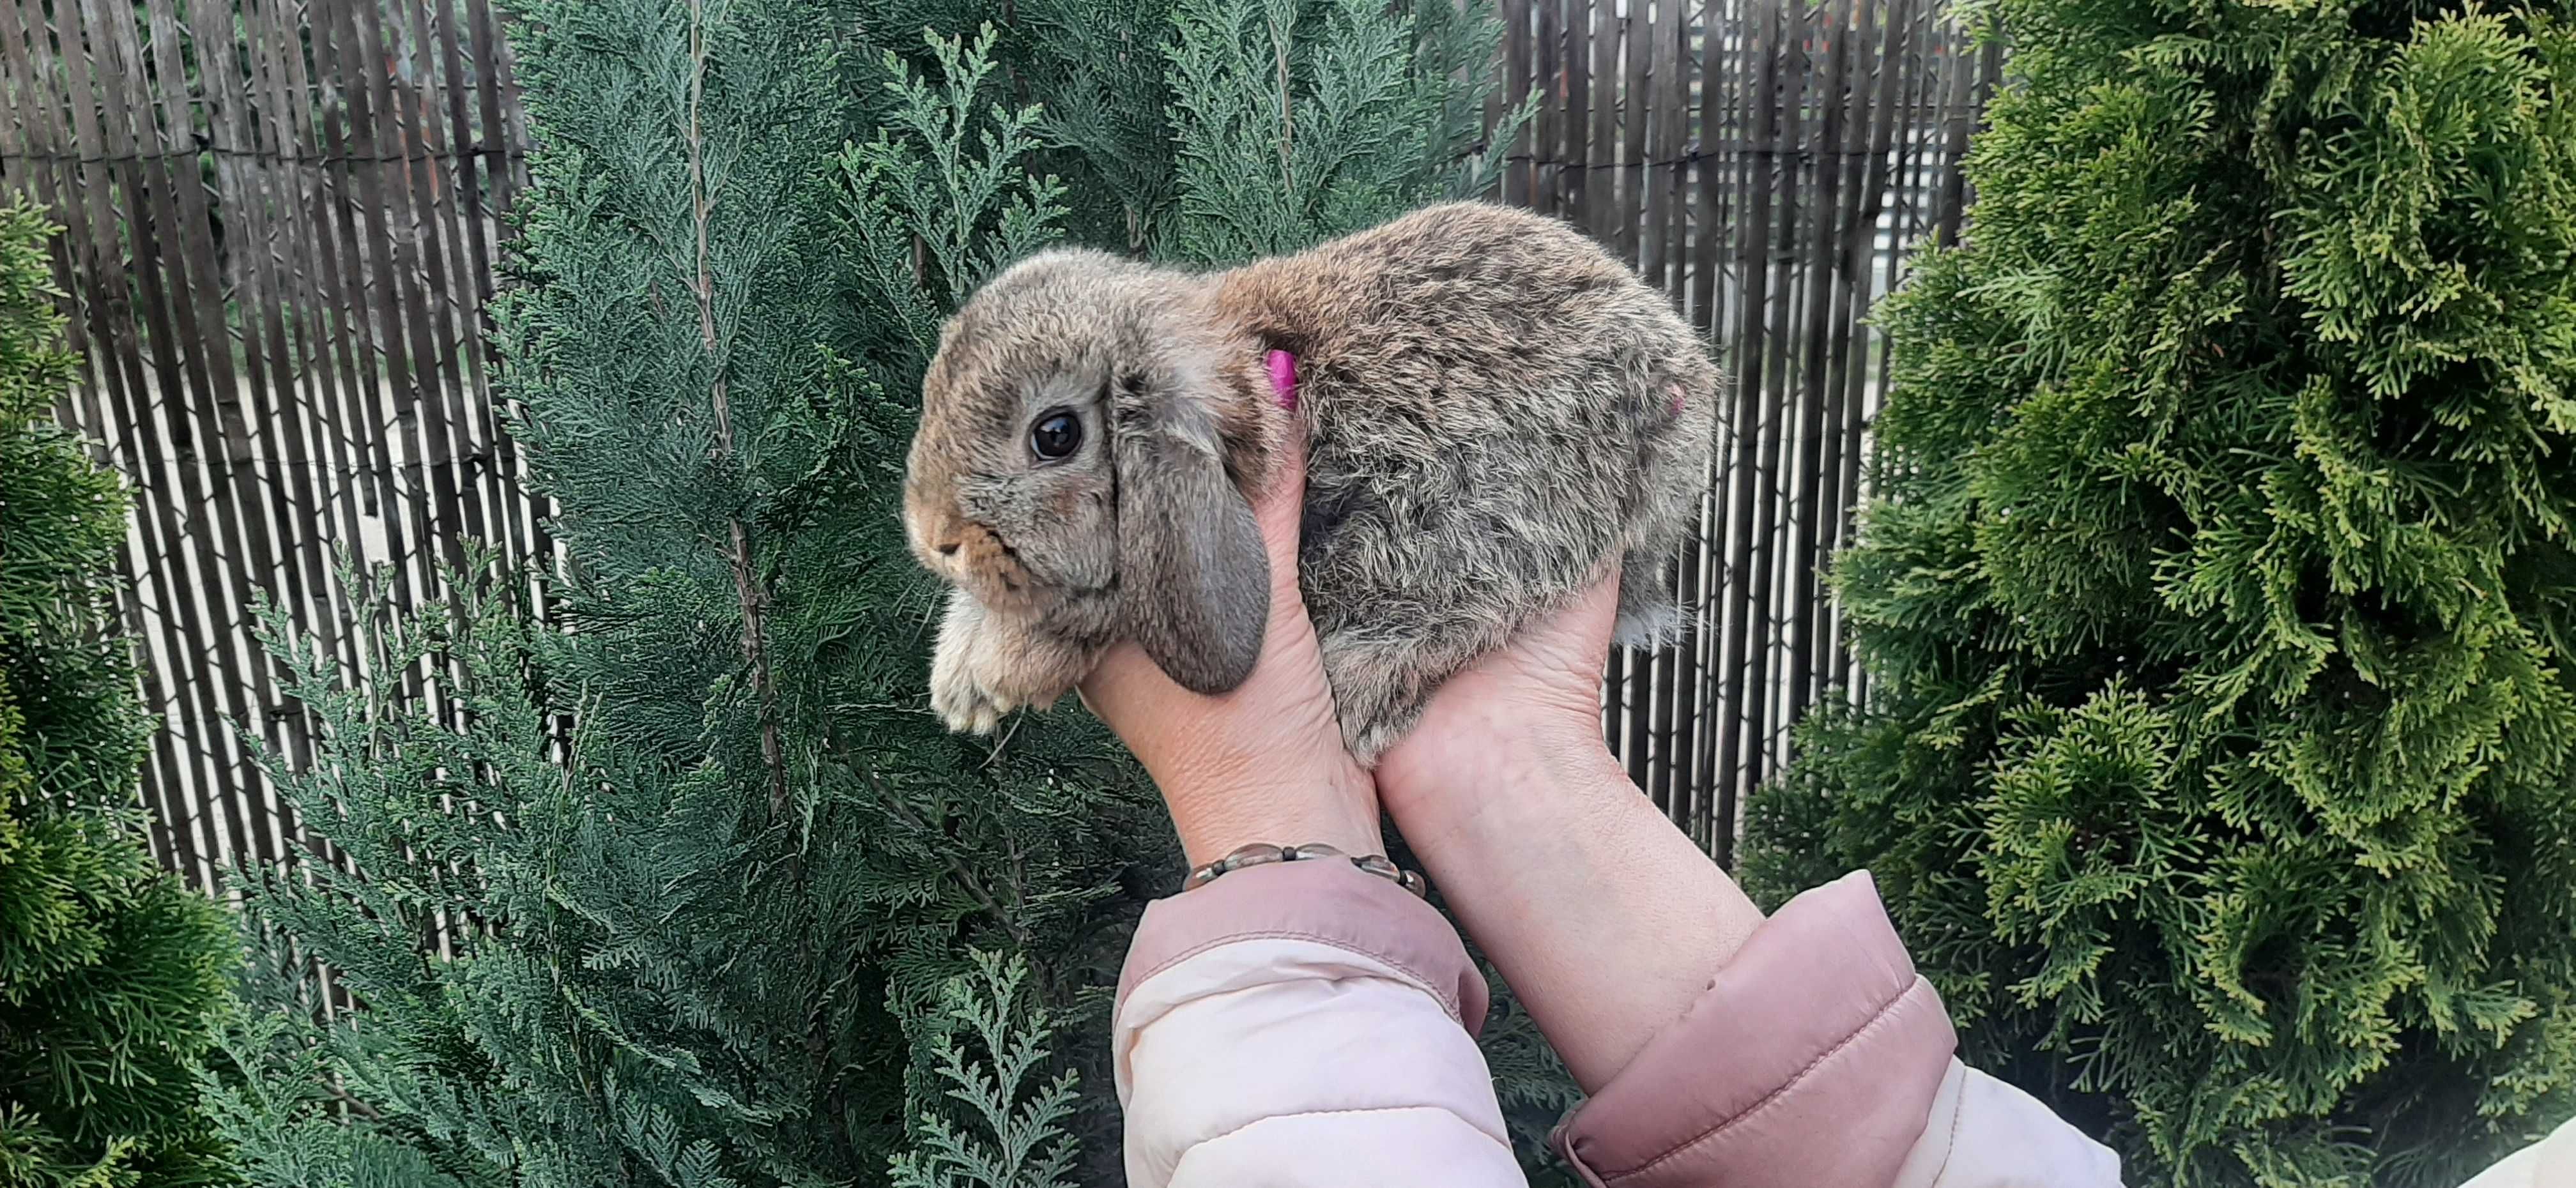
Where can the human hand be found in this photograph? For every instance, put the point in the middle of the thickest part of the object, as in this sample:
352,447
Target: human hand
1606,919
1535,703
1263,763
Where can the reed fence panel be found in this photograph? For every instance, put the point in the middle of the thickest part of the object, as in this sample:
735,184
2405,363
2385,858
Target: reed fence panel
280,220
1770,164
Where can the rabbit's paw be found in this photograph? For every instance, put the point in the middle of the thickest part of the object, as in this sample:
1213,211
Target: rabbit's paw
966,704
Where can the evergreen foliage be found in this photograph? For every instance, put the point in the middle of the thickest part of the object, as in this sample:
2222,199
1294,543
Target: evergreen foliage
684,885
698,936
1296,122
291,1122
1016,1136
111,973
2220,603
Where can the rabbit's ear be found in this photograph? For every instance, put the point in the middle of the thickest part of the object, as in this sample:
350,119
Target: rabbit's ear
1190,559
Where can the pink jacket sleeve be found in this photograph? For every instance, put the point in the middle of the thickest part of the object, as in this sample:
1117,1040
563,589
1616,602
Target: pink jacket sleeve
1308,1024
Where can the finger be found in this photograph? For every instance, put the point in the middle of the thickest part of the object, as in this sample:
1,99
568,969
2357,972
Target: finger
1573,639
1283,505
1118,667
1281,514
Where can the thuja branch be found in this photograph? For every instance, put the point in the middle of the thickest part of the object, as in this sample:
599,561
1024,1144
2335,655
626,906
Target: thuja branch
907,815
746,585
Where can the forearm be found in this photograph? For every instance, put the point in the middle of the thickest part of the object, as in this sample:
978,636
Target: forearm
1606,919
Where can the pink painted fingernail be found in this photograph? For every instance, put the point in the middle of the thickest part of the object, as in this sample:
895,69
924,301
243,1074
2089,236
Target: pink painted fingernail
1283,379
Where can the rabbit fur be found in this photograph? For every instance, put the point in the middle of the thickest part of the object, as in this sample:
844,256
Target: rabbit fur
1493,407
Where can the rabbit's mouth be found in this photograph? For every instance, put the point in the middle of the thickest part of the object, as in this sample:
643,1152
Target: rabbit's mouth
992,570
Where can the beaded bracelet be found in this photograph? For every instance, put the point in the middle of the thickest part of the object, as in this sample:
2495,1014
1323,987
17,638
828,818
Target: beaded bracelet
1263,854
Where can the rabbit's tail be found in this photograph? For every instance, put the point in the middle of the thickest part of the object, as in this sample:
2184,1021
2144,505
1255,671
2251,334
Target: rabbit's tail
1649,629
1648,616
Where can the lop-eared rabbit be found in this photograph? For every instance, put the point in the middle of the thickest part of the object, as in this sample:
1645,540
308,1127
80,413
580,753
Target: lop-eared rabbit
1494,409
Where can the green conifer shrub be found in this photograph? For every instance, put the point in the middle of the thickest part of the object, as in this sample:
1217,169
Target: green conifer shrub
1293,123
700,936
2219,598
687,886
111,972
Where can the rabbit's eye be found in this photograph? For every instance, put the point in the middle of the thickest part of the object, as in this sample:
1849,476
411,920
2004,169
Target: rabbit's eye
1057,434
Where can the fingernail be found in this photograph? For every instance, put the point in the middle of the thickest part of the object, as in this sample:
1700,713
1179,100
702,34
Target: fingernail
1283,379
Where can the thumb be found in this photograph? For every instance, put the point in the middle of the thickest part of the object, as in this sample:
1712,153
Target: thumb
1283,502
1282,507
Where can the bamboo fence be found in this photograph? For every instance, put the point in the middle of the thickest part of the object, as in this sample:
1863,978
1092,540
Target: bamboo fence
280,225
1769,163
282,217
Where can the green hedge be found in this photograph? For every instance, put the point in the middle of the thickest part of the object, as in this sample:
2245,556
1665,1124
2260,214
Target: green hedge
112,974
2219,596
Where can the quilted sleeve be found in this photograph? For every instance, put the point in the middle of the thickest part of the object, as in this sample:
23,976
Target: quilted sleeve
1304,1024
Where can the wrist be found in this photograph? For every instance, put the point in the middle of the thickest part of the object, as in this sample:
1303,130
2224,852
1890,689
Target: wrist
1216,813
1490,765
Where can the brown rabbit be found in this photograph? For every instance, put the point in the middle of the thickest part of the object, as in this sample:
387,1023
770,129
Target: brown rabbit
1492,404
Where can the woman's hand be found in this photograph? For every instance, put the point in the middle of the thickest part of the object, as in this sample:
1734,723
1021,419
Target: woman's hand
1263,763
1538,700
1605,918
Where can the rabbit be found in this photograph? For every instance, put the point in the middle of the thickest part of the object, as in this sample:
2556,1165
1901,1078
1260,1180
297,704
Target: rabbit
1493,406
